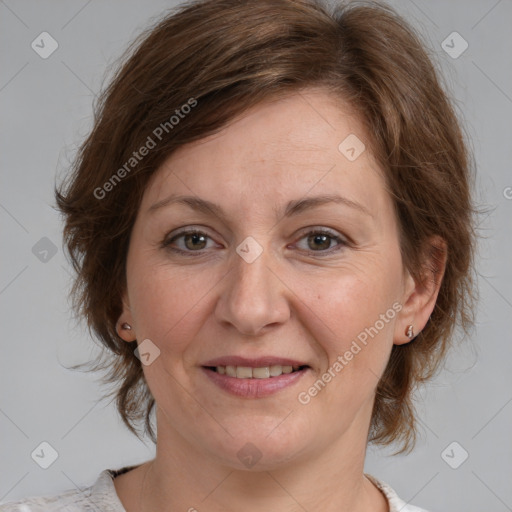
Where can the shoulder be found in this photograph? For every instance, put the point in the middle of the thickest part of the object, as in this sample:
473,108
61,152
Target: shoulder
71,501
99,496
396,504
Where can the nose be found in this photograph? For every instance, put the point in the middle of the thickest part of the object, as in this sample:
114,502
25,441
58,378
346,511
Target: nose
253,298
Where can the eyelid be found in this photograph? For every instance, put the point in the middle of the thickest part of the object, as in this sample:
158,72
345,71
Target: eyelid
319,228
184,230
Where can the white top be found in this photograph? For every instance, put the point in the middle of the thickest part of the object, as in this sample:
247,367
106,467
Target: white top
102,496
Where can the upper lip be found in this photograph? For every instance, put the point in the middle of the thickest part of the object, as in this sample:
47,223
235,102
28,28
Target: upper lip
258,362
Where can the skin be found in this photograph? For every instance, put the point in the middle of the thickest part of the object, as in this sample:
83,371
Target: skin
299,299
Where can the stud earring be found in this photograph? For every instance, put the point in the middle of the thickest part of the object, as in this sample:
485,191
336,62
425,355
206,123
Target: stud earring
126,326
409,332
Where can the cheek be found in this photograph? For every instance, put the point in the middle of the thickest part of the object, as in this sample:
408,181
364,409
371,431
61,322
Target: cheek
357,312
170,307
357,309
169,304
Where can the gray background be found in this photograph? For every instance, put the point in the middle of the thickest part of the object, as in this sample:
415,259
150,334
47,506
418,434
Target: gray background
46,107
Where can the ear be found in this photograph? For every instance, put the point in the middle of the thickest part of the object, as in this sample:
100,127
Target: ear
125,327
420,296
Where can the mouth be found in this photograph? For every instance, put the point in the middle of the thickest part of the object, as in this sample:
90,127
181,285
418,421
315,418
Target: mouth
256,378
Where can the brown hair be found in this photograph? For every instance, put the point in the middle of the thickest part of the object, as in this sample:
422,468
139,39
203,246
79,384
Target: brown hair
220,57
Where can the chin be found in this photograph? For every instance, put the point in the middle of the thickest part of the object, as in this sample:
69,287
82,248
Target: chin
269,446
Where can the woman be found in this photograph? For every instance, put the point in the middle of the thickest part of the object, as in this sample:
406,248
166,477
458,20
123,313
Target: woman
271,224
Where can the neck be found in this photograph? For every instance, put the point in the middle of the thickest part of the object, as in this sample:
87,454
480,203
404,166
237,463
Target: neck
183,478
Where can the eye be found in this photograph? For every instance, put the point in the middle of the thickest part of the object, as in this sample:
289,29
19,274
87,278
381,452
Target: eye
320,241
189,241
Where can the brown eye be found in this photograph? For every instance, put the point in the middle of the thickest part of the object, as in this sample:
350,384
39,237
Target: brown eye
195,241
189,241
319,242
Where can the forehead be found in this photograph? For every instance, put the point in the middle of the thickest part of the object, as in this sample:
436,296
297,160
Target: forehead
279,149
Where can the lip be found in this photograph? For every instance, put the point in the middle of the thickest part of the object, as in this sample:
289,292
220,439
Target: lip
253,388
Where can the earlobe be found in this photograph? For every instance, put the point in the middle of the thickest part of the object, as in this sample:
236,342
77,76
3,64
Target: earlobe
125,330
420,296
124,326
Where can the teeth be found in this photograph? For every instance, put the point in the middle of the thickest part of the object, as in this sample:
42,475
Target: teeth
243,372
261,373
276,370
246,372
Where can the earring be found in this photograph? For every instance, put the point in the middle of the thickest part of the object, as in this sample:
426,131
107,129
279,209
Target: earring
126,326
409,332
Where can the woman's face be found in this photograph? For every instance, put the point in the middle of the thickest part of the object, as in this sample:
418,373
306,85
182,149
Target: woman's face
271,244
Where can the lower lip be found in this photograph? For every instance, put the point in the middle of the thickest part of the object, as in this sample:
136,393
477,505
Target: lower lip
254,388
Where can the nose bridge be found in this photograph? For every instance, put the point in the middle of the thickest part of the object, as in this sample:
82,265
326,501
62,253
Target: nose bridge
252,298
251,277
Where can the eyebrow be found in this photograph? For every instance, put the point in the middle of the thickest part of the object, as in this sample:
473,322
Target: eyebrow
299,205
197,204
293,207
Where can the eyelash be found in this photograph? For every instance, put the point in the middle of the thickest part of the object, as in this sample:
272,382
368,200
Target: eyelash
341,242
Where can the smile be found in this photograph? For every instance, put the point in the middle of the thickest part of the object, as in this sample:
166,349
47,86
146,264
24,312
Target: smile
254,378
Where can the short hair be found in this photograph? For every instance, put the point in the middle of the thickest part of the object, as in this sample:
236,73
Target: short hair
205,63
